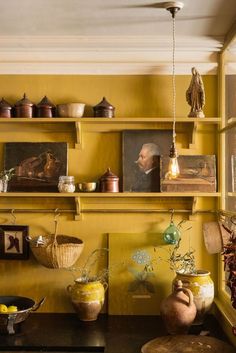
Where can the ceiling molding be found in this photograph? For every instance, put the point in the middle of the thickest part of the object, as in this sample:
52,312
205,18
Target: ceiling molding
106,55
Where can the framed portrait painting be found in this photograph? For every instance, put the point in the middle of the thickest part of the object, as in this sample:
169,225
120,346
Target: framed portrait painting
13,243
37,165
141,158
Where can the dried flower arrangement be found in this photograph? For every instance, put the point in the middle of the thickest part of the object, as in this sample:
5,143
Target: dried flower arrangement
229,258
95,268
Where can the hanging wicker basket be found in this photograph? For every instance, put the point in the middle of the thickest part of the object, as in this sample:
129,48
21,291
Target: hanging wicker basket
57,251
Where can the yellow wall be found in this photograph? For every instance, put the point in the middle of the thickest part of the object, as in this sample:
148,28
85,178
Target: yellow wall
132,96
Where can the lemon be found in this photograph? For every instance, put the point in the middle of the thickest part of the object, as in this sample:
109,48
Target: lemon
12,309
3,308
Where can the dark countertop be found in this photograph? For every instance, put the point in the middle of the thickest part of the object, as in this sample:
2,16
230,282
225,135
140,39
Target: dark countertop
109,334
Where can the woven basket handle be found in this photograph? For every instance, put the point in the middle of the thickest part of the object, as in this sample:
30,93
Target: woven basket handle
56,227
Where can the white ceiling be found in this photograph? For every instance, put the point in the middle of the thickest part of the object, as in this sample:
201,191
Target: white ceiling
108,31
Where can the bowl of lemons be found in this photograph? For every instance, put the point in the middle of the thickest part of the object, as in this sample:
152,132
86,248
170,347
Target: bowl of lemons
15,309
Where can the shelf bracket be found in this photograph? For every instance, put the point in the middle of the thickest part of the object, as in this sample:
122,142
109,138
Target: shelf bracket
192,143
194,208
78,132
78,215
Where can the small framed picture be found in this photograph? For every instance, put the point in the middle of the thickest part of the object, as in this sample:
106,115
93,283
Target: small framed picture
197,174
13,243
37,165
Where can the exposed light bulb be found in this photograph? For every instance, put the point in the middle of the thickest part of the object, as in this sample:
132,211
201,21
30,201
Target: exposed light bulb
173,169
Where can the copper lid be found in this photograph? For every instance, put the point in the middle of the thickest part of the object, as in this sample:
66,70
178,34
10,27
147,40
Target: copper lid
45,102
5,104
24,101
104,104
109,175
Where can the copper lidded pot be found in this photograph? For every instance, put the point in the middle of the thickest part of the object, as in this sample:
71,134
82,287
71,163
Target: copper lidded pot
5,109
24,108
45,108
104,109
109,182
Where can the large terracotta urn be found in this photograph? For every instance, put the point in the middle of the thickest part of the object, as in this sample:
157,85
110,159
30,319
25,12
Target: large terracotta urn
178,310
87,298
202,287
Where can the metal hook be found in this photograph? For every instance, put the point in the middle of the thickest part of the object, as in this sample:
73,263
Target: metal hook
57,214
172,214
13,216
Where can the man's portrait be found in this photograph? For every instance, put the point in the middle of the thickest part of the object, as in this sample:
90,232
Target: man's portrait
141,158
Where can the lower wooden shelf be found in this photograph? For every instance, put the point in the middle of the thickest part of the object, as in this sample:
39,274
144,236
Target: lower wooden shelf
122,202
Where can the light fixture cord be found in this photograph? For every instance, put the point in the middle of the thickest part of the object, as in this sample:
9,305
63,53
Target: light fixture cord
173,80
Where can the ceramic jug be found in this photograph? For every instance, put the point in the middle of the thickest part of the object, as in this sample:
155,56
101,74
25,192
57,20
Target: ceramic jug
87,298
178,310
202,287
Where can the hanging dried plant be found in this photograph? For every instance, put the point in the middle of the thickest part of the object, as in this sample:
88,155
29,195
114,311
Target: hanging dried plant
229,258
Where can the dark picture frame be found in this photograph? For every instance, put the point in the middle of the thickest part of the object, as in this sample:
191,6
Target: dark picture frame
197,174
38,165
13,243
135,178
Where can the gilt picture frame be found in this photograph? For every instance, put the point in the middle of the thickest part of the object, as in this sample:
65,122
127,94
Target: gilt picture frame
13,242
143,142
37,165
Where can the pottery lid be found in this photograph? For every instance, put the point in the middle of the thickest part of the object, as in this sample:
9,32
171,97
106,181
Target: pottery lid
5,104
24,101
104,104
109,175
45,102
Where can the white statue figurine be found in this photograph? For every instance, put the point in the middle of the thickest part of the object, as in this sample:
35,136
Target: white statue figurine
195,95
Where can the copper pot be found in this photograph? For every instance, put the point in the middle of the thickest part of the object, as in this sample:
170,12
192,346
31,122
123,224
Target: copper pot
104,109
5,109
24,108
109,182
45,108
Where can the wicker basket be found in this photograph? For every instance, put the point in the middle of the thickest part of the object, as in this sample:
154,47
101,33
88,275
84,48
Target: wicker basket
58,251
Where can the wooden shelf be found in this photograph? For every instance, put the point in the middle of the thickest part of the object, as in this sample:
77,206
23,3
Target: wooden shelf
122,202
111,194
230,124
231,194
85,124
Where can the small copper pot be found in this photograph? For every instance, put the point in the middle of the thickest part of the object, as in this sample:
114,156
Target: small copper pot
24,108
5,109
109,182
104,109
45,108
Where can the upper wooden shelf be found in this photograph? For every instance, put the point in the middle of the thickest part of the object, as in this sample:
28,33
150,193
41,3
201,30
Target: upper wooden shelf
115,120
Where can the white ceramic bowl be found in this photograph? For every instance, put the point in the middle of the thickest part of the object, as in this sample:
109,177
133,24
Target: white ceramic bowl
71,110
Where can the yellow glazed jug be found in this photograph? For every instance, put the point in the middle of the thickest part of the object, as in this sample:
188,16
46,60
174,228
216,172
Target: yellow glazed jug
87,298
202,287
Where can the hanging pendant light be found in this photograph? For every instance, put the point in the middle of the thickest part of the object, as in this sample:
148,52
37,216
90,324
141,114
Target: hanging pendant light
173,169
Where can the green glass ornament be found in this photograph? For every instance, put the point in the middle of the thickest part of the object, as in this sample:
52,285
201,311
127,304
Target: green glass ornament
172,234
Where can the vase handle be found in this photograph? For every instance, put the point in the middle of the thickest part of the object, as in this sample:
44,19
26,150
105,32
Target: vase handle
188,293
105,285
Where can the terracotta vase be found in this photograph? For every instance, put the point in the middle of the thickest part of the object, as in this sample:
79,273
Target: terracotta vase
178,310
202,287
87,298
